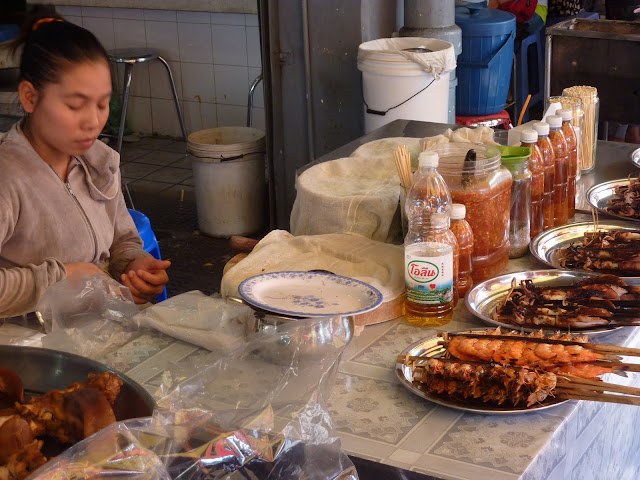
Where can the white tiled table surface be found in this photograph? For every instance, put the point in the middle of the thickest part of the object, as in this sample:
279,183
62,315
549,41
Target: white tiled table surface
378,419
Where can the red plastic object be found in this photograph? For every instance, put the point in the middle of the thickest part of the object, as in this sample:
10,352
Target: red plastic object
495,119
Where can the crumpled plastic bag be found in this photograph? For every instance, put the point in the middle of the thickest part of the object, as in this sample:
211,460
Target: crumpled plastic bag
257,412
207,321
87,315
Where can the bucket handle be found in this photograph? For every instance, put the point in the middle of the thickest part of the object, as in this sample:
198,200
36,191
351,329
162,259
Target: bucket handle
487,63
381,112
236,157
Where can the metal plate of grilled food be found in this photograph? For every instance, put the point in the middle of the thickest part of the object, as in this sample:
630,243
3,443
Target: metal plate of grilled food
42,370
483,298
429,348
547,245
599,195
635,157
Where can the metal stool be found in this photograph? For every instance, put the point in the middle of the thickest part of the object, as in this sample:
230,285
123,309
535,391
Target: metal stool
131,56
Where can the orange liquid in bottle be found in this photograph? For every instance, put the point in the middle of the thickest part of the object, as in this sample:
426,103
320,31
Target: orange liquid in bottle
561,185
434,315
462,230
572,147
536,166
549,163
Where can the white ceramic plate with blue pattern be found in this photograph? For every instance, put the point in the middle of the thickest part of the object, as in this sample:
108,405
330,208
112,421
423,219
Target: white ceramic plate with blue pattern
309,294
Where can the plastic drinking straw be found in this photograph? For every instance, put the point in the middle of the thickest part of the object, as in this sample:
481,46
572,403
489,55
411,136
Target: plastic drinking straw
524,109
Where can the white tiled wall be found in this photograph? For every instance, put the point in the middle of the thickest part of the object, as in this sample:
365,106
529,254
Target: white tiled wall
214,58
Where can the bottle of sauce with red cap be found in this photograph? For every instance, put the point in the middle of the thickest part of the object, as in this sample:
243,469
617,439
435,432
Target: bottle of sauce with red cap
549,162
561,183
529,139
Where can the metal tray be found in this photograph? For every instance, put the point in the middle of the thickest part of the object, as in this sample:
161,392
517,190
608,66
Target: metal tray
546,245
635,157
428,347
599,195
42,370
483,298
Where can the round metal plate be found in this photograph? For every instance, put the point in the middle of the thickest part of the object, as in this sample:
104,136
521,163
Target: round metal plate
546,245
599,195
635,157
483,298
428,347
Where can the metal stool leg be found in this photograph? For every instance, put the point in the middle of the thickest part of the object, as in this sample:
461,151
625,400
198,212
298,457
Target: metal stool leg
128,73
175,97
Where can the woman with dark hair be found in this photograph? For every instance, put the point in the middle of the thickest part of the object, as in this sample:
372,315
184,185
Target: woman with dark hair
61,206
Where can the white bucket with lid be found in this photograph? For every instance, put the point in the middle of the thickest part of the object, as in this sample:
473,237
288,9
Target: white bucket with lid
229,180
405,78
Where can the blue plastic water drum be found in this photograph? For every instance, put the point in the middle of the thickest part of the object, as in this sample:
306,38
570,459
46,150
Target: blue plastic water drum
485,64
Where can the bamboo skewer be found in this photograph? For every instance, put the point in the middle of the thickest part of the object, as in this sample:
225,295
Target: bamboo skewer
403,165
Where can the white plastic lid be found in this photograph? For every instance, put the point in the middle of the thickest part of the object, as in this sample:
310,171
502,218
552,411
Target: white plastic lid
428,159
458,211
529,136
541,127
554,121
565,114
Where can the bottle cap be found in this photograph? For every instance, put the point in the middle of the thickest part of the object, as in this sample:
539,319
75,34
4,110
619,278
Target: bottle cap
565,114
529,136
458,211
554,121
439,220
428,159
541,127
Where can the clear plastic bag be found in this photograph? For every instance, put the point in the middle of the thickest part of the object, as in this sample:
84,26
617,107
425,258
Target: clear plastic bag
257,412
88,316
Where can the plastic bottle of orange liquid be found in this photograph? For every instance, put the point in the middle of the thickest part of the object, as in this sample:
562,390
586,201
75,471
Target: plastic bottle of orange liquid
572,147
549,161
529,138
430,248
561,184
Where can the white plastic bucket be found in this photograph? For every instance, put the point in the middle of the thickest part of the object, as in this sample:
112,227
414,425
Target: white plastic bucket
394,84
229,179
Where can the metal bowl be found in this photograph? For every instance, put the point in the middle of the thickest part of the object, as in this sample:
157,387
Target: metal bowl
42,370
285,338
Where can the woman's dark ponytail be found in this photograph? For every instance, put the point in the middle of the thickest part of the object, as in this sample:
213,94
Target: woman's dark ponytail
50,44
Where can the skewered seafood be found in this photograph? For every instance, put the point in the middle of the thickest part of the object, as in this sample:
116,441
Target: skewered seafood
614,251
494,384
626,203
513,369
68,415
598,301
557,353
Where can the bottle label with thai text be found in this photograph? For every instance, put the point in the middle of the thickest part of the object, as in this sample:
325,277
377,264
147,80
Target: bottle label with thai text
429,280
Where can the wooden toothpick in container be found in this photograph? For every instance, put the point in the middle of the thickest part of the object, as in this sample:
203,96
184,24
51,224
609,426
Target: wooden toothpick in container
591,108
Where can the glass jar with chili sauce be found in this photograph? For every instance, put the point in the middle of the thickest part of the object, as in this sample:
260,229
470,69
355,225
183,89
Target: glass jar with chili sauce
476,178
561,184
572,146
464,235
529,139
549,162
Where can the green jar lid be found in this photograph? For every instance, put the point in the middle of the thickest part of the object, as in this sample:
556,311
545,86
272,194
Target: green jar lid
511,156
